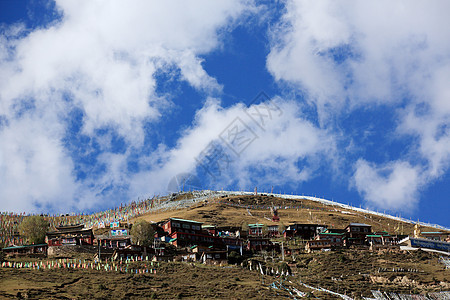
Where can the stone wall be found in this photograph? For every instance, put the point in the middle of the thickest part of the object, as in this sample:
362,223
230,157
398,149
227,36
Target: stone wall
70,250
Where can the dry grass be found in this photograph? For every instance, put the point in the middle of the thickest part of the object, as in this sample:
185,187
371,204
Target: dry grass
173,280
354,272
357,272
223,214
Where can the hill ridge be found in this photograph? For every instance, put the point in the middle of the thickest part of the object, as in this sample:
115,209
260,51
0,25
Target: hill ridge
342,205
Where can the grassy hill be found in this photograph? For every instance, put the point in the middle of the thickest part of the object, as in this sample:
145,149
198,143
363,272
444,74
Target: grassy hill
235,210
353,272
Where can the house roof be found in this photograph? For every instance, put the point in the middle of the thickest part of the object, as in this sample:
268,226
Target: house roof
117,237
68,227
381,233
255,225
331,233
305,224
24,246
183,220
359,224
83,230
336,230
208,226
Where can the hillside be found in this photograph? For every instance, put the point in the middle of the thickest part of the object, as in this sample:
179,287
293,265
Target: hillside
234,210
354,272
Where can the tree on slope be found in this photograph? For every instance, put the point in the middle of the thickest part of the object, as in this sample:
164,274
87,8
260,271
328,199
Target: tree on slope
34,229
245,227
265,230
142,233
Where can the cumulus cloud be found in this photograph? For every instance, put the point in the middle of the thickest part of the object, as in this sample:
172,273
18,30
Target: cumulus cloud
234,147
347,51
105,57
349,55
393,186
90,78
34,166
100,58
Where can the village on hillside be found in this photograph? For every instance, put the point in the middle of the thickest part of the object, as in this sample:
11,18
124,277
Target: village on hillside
272,247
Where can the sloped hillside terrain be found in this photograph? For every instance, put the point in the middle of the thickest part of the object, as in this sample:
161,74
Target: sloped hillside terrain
173,281
352,272
234,210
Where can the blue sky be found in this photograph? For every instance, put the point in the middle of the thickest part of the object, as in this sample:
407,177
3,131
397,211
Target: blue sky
103,103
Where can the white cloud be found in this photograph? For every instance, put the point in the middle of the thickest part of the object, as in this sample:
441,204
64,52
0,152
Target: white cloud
105,55
287,149
385,45
393,53
34,166
102,58
394,186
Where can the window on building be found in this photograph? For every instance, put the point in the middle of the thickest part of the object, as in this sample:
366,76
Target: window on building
186,226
